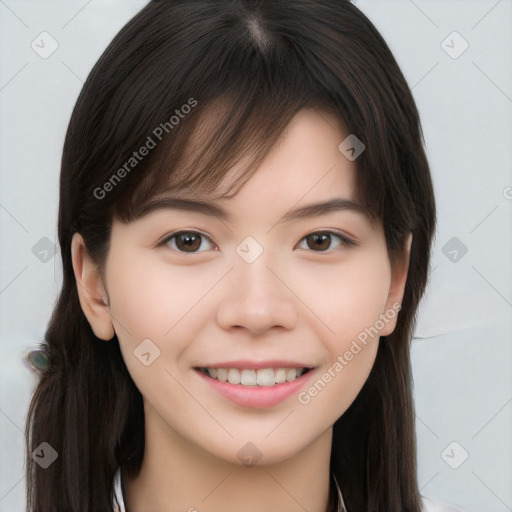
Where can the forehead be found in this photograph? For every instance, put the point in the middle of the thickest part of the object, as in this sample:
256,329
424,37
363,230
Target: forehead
304,165
304,175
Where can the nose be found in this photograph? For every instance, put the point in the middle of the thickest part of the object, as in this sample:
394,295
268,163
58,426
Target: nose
257,297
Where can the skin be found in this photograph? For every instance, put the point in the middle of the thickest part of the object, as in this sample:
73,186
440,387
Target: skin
294,302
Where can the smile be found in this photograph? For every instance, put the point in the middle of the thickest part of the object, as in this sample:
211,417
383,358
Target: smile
254,377
256,385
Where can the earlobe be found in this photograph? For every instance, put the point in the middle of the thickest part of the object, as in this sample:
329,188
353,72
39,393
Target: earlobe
91,291
399,274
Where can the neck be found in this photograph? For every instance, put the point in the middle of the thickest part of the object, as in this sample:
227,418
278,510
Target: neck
178,476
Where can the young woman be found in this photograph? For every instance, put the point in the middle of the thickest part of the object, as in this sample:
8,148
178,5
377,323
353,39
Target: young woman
246,215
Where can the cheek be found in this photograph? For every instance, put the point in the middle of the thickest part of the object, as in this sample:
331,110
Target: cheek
349,296
351,304
338,382
154,300
150,297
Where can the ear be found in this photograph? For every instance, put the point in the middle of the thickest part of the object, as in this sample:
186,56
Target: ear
399,272
91,292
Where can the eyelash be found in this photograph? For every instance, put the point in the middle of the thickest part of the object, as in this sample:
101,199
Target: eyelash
345,241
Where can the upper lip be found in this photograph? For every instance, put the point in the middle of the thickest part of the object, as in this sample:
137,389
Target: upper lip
256,365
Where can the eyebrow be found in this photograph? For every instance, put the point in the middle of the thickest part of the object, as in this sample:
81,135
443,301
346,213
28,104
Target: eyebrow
209,208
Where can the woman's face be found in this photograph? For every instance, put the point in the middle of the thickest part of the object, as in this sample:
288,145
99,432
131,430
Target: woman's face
260,295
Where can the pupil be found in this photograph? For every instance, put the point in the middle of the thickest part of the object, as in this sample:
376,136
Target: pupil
325,237
188,240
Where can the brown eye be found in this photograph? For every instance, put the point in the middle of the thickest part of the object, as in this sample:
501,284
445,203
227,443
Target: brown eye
321,240
185,241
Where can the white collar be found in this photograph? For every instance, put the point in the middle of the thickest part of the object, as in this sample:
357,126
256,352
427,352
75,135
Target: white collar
119,494
428,505
341,503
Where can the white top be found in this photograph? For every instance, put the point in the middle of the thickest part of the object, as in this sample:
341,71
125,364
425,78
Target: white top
428,505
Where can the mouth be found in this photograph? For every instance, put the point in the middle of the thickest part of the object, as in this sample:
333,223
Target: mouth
256,385
254,377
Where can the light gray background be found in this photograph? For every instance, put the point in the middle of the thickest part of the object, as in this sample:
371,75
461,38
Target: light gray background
462,351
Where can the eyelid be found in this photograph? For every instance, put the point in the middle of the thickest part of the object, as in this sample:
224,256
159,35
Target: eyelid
345,240
344,237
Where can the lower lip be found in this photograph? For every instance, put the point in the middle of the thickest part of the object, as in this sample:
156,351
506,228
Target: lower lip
257,396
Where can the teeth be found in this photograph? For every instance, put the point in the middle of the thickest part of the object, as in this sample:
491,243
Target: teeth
247,377
261,377
280,376
222,374
291,374
265,377
234,376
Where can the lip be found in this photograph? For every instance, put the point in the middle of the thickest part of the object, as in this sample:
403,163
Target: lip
257,365
257,396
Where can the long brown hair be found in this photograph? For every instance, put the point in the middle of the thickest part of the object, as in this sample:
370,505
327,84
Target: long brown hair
231,74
